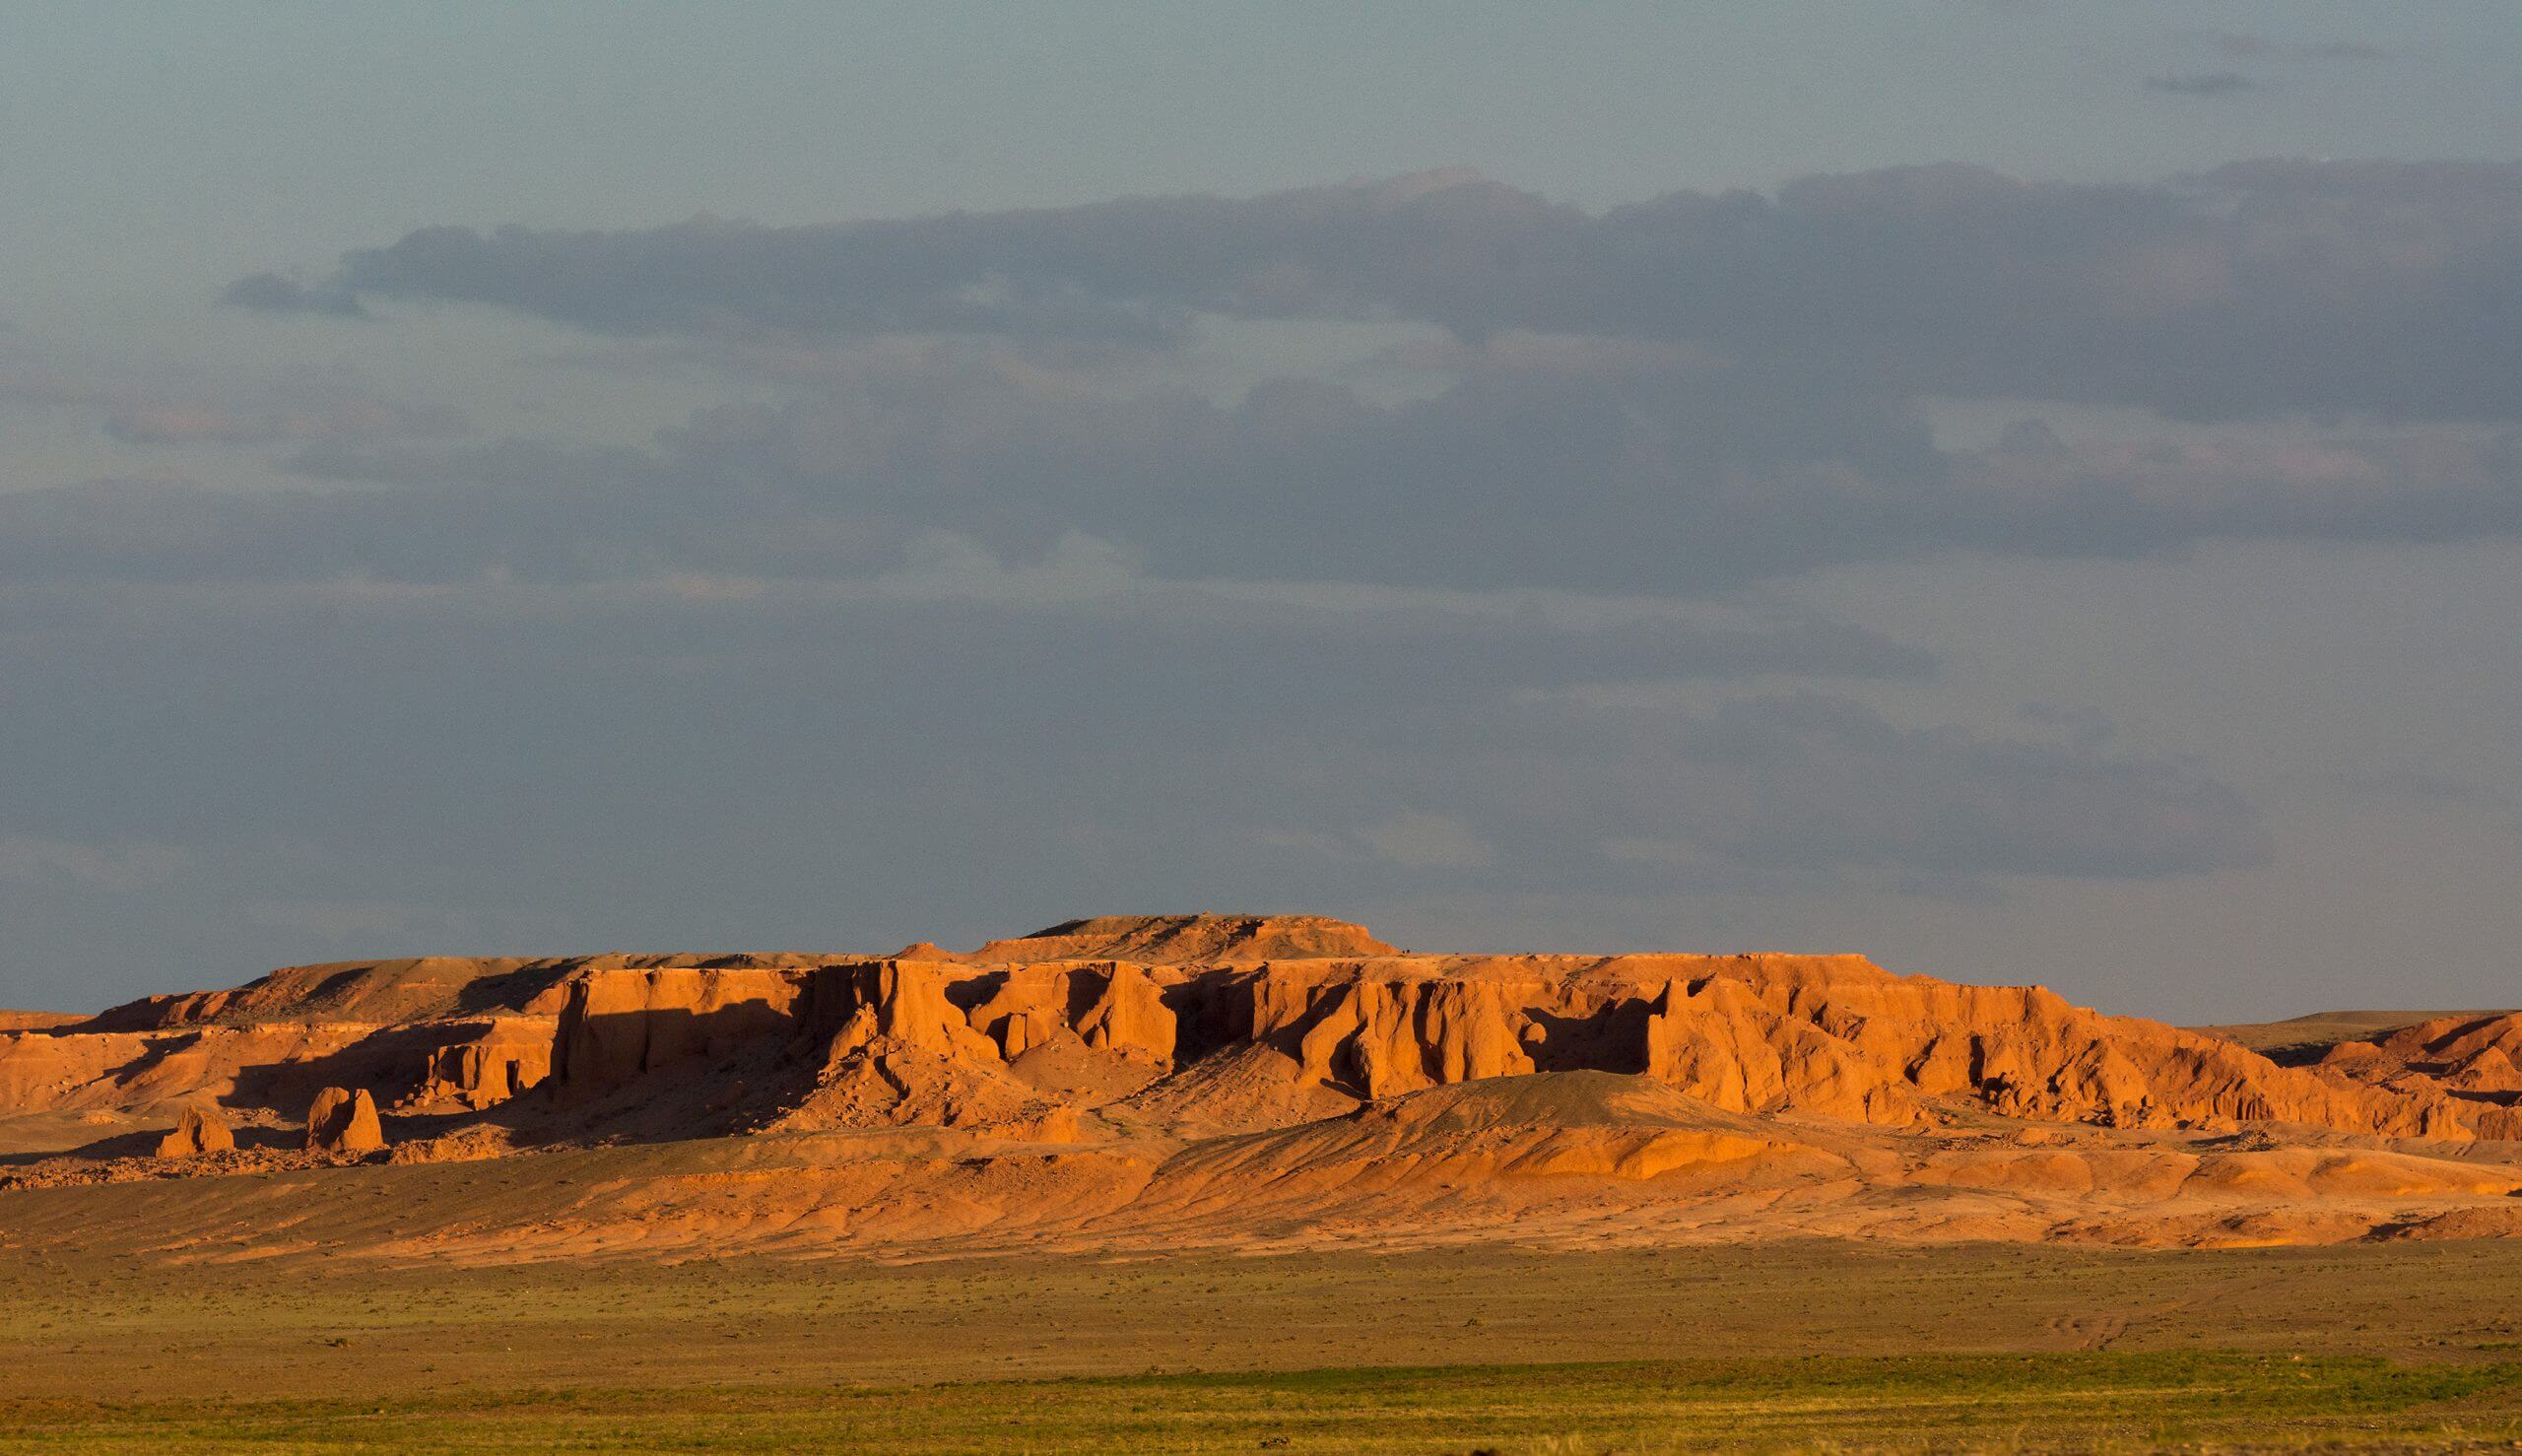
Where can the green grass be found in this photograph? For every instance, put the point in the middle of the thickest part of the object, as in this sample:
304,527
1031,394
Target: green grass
2105,1400
1993,1347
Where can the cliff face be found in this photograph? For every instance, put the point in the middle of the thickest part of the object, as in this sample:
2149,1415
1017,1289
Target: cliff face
1223,1023
952,1041
486,1064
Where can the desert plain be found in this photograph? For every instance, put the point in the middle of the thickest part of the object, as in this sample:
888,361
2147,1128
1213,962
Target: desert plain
1245,1182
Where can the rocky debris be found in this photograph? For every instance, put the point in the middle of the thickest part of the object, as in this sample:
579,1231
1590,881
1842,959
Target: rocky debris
344,1120
1043,1124
195,1133
466,1145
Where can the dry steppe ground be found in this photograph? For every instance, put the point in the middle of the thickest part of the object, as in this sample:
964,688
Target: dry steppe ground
1479,1347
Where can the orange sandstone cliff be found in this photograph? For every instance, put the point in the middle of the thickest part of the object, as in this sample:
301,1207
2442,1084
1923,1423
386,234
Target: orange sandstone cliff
1179,1054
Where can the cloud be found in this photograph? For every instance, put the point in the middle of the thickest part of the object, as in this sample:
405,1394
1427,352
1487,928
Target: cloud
2240,45
1772,792
291,412
1407,840
370,926
945,567
706,274
2203,84
340,417
1428,841
980,574
1818,781
693,768
118,866
2259,288
1682,482
2414,787
272,293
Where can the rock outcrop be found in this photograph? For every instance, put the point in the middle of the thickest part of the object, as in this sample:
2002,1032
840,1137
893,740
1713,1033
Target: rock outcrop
1388,1036
1187,939
1717,1041
902,1052
488,1063
2469,1058
2443,1047
1279,1078
195,1133
1213,1023
344,1120
1129,1016
618,1023
1831,1036
36,1021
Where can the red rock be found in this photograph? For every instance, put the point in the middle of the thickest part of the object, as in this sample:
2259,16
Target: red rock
195,1133
488,1063
343,1121
1184,940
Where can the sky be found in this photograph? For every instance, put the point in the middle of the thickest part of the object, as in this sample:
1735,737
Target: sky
2026,490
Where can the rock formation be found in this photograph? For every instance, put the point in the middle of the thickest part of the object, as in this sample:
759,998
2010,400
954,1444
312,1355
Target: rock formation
502,1058
2471,1057
343,1121
1204,940
35,1021
618,1023
195,1133
1296,1014
1175,1034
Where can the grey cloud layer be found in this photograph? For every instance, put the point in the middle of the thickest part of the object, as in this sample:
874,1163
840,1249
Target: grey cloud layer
2240,45
2205,83
961,588
1677,481
1682,396
2261,287
698,767
294,412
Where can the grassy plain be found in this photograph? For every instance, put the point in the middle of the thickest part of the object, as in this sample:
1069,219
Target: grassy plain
2094,1400
1440,1350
